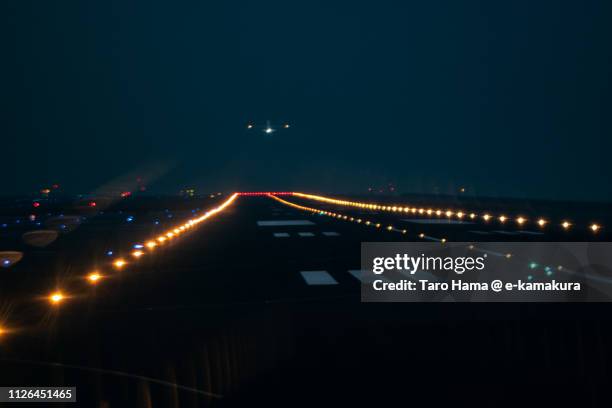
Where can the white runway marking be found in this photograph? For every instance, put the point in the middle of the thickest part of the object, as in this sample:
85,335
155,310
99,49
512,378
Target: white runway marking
436,221
366,277
283,223
306,234
281,235
318,278
330,234
507,232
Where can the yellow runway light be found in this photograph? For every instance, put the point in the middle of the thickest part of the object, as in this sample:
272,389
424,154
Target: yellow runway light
56,297
94,277
119,263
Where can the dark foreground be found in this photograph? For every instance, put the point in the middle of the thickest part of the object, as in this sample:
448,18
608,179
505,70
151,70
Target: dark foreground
222,317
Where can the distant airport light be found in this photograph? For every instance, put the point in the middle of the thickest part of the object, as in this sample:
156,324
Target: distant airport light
486,217
151,244
542,222
594,227
137,254
520,220
566,224
502,219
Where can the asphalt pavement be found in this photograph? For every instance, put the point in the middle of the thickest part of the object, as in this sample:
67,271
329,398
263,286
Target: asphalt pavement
260,305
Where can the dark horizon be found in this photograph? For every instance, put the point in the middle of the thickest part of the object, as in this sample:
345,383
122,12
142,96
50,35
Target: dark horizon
429,97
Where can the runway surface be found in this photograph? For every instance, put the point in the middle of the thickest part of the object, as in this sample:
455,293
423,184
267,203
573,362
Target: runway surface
261,305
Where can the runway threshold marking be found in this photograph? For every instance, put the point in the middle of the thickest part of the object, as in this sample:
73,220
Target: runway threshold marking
281,235
316,278
306,234
330,234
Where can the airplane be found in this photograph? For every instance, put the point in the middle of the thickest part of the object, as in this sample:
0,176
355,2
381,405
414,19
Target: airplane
268,128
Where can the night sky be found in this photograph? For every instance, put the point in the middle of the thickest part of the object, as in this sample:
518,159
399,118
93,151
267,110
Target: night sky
504,98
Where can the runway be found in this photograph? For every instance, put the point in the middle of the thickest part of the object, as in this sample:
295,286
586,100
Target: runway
261,305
